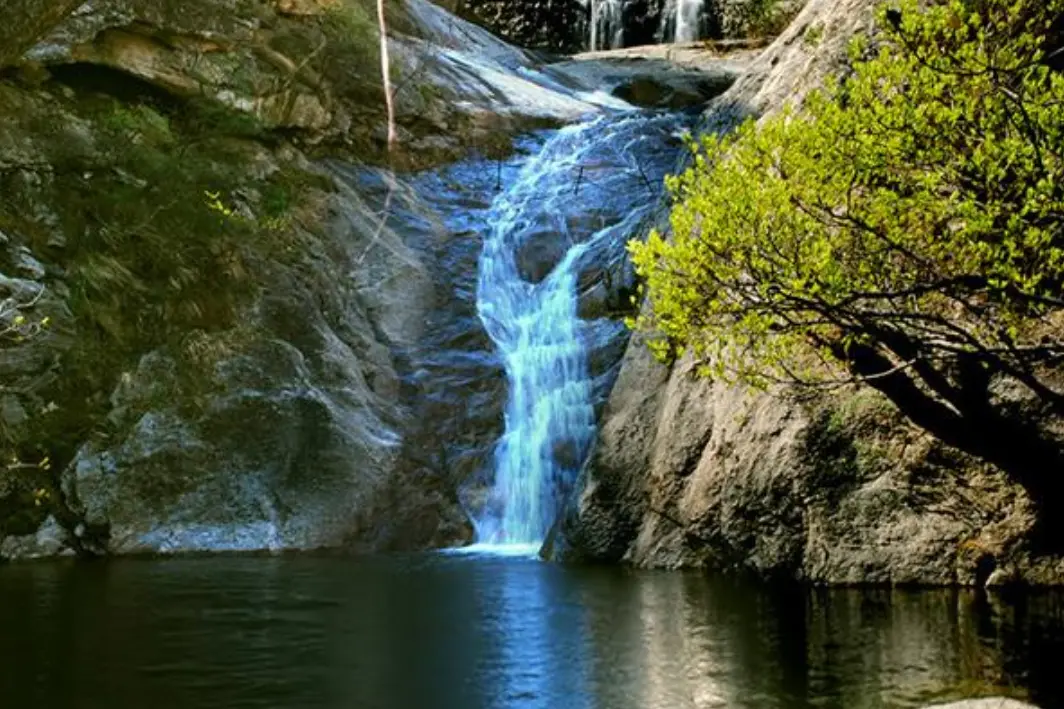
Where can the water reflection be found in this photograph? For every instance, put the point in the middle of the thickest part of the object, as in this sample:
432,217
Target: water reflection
473,632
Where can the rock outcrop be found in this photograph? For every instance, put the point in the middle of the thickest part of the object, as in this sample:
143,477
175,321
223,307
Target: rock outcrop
284,429
26,20
834,489
661,76
553,25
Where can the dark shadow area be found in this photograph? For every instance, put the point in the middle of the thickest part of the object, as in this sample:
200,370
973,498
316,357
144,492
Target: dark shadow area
96,79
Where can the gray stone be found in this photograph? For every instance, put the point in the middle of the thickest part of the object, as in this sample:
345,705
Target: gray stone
29,266
336,412
657,76
22,290
50,540
297,445
358,390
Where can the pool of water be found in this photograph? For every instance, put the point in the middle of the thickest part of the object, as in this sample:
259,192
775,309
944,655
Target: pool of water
472,631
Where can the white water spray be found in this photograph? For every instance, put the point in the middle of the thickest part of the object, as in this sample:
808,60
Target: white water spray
607,24
681,22
687,13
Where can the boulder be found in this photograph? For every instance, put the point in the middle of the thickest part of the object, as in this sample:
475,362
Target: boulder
50,540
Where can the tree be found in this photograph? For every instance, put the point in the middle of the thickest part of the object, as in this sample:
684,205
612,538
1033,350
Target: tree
907,224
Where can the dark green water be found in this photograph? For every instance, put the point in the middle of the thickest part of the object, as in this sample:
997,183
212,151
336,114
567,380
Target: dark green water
466,632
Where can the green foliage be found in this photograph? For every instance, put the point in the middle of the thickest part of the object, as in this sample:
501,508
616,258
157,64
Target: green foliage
342,50
914,209
763,18
351,23
813,35
207,118
151,258
350,56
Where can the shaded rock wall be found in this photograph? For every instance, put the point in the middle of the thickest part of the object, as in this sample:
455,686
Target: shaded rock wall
553,25
283,430
563,25
836,489
24,21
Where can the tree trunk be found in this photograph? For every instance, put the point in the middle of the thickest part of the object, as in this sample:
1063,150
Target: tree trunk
24,22
970,423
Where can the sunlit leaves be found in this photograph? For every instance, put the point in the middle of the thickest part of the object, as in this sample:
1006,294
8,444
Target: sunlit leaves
922,195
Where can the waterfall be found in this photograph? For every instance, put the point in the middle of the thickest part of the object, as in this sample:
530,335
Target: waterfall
681,21
588,189
607,24
687,15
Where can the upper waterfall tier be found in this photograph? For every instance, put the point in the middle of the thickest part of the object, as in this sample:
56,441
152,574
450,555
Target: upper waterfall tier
614,24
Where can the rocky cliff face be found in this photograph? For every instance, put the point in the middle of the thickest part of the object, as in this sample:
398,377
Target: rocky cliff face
231,319
828,488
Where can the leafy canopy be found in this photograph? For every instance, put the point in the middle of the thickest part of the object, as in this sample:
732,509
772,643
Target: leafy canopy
915,207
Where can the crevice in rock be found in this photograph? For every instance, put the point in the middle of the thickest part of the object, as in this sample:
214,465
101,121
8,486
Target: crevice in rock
984,568
87,78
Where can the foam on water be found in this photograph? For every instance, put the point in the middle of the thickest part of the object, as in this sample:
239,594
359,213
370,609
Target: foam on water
506,550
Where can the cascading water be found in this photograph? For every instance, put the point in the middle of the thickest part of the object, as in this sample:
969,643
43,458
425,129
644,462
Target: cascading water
588,189
607,24
687,16
682,20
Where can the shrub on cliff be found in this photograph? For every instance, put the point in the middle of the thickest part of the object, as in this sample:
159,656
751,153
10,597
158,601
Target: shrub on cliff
24,481
907,224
